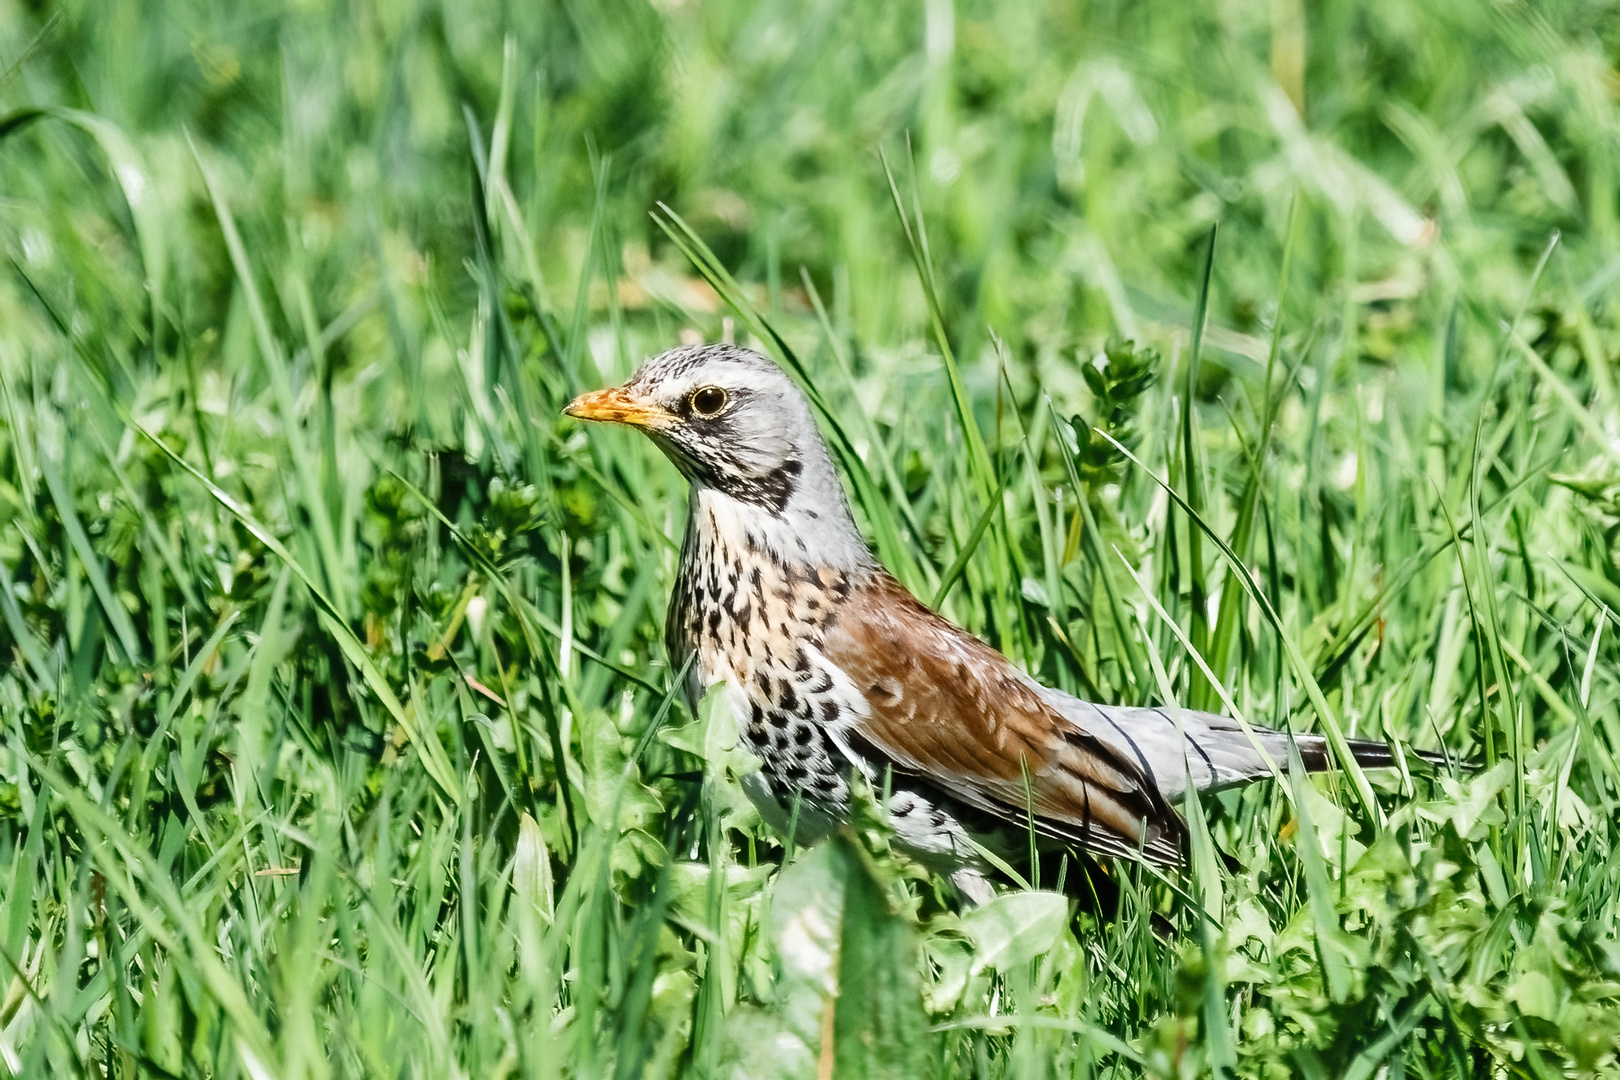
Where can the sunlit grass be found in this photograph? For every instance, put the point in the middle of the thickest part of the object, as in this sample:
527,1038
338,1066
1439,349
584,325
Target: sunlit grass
338,738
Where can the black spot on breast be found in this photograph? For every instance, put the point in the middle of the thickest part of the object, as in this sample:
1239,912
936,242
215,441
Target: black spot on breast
790,700
829,711
801,662
803,735
763,681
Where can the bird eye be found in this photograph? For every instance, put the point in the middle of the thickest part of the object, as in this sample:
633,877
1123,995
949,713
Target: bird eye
708,400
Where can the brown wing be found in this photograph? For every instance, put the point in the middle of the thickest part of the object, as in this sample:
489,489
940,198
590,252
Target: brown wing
947,707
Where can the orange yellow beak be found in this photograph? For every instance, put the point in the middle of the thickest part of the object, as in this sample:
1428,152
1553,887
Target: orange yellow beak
615,406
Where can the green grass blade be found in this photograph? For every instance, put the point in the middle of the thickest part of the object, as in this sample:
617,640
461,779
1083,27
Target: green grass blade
93,568
979,465
434,759
879,1027
1230,615
969,546
1331,728
21,635
1198,692
1319,890
334,573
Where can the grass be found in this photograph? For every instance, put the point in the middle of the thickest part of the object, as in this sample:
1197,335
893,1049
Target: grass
338,739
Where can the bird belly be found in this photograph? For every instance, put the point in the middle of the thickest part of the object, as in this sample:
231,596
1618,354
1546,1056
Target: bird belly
756,624
794,819
803,788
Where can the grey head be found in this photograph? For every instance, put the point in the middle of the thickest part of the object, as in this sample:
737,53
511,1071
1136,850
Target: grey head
742,434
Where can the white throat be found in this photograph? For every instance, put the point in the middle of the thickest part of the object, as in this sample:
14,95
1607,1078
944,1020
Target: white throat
822,536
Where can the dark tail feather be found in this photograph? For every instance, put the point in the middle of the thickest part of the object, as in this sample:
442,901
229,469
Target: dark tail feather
1376,755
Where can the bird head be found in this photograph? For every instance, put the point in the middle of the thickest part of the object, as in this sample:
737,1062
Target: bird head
741,432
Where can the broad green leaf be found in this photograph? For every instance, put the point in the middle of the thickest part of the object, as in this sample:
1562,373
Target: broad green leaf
806,921
1015,928
1534,994
879,1026
531,868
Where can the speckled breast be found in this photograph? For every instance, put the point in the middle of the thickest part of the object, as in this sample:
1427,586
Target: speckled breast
757,622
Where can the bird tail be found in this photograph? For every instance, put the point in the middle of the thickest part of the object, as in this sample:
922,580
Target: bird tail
1216,751
1367,752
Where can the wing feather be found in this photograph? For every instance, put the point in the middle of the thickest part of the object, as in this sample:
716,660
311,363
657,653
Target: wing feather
944,706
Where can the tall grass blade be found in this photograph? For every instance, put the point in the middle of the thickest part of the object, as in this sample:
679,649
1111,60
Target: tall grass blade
1198,693
334,574
117,616
979,465
434,758
1229,618
1331,728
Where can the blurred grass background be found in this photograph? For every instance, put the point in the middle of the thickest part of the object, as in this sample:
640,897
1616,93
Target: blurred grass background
337,734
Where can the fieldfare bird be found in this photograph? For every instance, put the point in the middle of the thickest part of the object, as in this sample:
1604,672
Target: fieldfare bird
832,668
